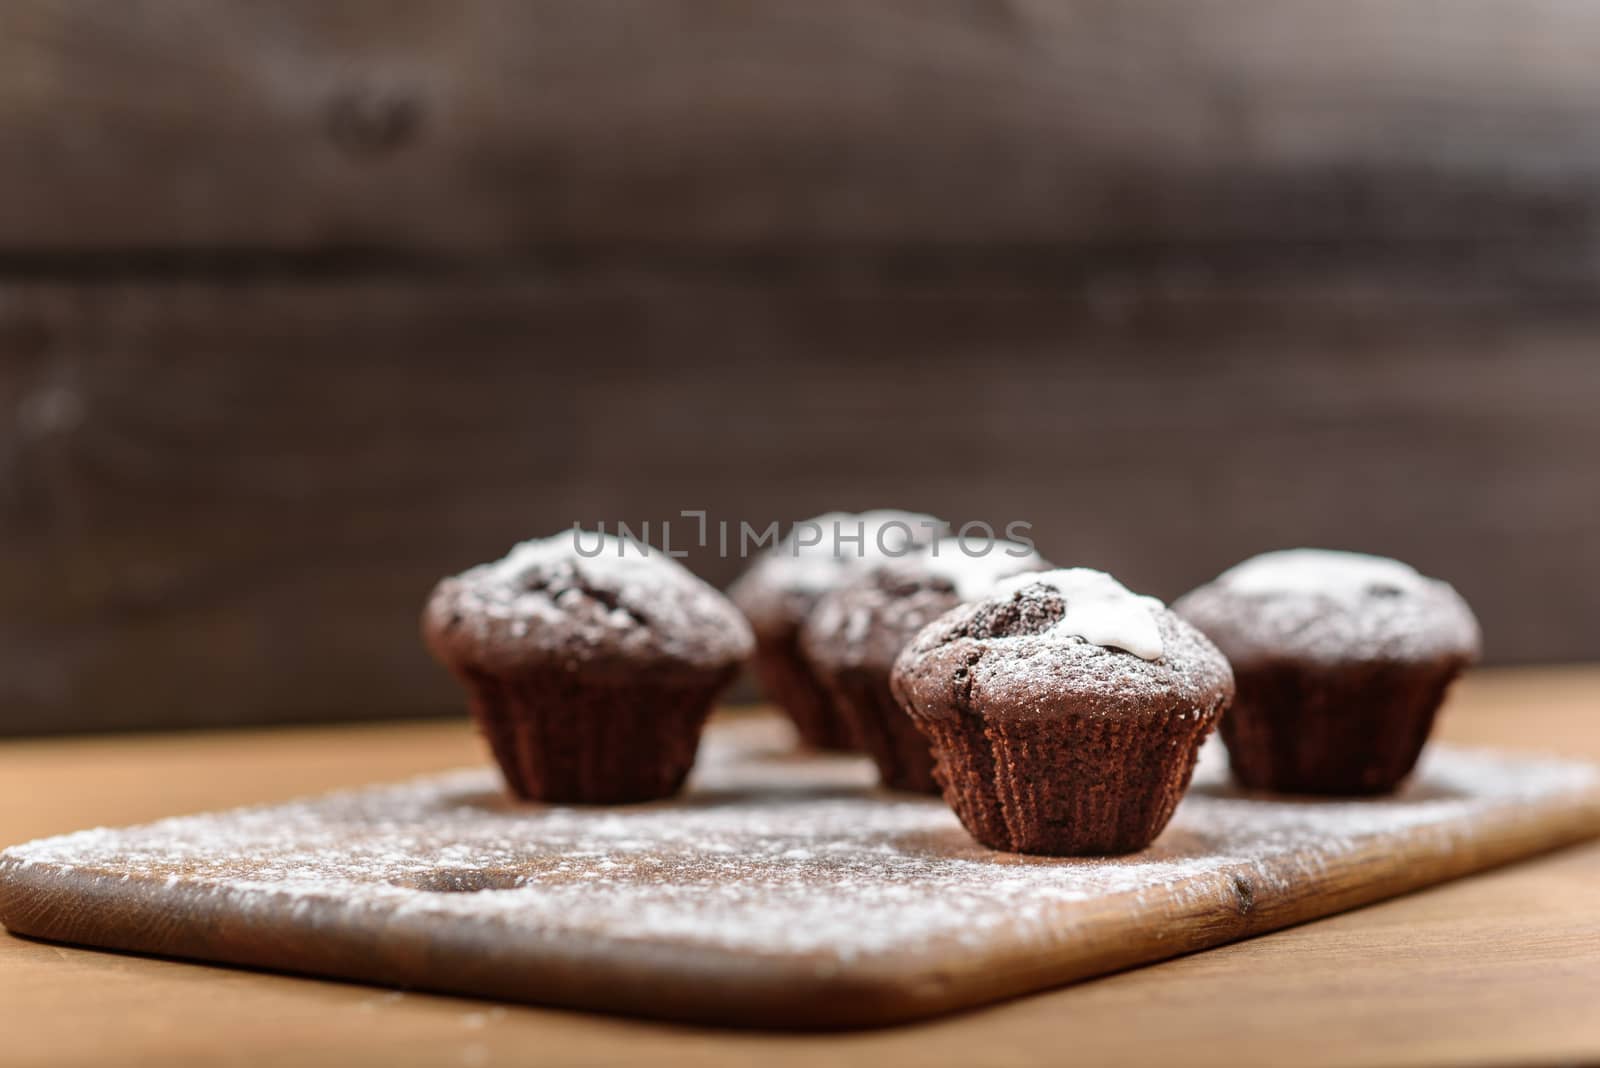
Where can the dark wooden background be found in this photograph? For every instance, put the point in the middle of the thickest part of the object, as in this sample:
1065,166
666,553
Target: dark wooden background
303,304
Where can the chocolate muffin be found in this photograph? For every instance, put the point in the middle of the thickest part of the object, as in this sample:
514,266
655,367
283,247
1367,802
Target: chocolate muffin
782,587
1065,712
1342,661
591,664
852,638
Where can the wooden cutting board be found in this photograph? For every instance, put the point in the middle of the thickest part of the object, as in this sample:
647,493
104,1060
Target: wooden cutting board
782,891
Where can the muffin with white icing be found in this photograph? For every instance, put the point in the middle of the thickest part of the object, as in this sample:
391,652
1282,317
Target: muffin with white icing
1065,712
591,664
781,588
1342,661
851,640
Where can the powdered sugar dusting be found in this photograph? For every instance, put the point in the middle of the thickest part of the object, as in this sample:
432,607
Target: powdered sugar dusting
841,538
828,549
1014,658
770,854
1347,577
1329,606
580,591
975,566
1099,609
868,620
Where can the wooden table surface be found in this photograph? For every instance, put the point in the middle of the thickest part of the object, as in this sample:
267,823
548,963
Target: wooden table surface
1499,968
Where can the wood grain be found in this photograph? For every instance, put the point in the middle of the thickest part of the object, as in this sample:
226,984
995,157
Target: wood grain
465,127
225,502
498,920
1493,969
304,304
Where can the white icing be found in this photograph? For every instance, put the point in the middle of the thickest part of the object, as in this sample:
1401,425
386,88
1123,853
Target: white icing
974,565
1344,577
1099,609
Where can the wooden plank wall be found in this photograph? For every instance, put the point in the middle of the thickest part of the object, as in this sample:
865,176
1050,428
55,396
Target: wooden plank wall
304,304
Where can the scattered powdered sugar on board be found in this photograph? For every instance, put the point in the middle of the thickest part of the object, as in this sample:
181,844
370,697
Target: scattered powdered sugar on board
771,853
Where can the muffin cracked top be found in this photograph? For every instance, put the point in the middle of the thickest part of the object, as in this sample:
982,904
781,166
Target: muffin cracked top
780,589
1328,606
867,621
1073,635
586,600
